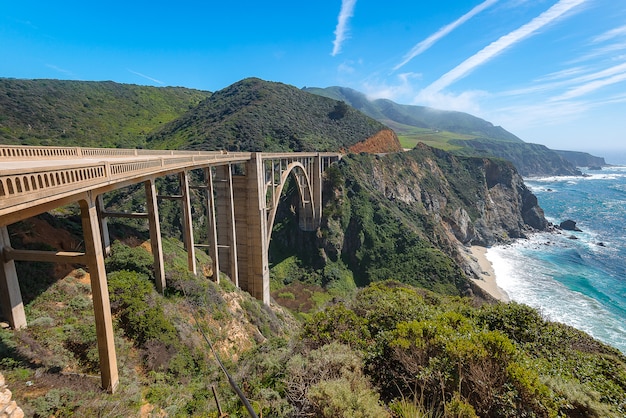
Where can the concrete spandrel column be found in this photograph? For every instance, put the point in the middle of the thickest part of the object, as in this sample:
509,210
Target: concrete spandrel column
316,181
104,226
187,222
156,243
212,223
258,264
100,293
225,214
10,294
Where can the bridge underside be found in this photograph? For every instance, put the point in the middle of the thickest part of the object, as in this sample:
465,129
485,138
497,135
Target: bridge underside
240,193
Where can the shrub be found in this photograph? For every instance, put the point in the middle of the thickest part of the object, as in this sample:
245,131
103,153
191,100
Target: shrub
345,398
140,314
136,259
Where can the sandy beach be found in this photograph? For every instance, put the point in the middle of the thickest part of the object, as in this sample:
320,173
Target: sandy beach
488,282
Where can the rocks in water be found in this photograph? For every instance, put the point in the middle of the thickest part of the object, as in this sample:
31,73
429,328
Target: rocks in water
569,225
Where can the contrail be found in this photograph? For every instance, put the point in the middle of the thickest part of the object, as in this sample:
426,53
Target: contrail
145,76
505,42
341,31
430,41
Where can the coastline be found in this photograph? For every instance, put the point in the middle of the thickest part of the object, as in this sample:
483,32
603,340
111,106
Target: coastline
488,274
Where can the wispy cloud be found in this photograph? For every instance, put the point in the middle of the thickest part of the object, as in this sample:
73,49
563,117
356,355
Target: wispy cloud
594,82
61,70
146,77
432,39
505,42
401,90
613,33
341,31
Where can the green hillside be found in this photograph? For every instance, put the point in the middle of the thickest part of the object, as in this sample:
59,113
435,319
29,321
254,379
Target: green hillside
405,118
255,115
82,113
456,132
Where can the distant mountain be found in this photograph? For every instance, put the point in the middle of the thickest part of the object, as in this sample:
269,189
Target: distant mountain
404,117
582,159
85,113
257,115
457,132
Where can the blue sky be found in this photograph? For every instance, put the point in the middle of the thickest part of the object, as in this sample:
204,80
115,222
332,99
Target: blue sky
550,71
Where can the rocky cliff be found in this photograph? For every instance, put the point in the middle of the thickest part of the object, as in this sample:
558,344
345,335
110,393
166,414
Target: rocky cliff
409,216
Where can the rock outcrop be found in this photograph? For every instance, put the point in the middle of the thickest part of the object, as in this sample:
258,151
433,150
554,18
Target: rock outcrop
8,408
569,225
446,200
384,141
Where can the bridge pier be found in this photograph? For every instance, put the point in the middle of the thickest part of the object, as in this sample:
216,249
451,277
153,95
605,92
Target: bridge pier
225,213
252,237
10,294
156,243
100,293
187,222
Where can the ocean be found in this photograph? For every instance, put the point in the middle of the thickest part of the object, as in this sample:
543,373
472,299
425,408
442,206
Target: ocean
577,278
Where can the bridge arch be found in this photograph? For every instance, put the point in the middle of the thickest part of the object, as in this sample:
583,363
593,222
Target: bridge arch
307,201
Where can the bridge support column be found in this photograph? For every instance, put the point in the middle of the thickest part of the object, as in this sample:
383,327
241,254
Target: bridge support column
156,244
211,223
252,238
10,294
104,226
316,180
187,222
226,232
100,293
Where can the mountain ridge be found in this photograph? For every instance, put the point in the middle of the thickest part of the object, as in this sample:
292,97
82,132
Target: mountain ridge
454,131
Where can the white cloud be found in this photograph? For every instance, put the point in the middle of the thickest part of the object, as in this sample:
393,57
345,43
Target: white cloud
398,92
346,67
468,101
341,31
146,77
591,86
613,33
432,39
61,70
505,42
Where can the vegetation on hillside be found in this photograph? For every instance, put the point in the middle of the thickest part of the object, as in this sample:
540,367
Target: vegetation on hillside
457,132
256,115
81,113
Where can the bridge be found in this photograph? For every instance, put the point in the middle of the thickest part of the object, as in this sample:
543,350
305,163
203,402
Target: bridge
241,192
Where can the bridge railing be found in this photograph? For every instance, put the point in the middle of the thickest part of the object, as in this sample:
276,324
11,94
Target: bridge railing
22,152
23,184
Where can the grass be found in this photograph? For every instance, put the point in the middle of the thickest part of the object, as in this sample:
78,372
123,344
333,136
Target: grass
411,136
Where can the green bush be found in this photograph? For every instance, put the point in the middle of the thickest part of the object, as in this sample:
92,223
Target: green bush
136,259
140,313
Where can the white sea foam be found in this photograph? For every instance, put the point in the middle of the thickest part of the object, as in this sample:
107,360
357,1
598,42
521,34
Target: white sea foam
530,280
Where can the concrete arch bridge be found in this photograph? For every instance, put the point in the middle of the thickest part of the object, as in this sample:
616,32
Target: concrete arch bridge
241,192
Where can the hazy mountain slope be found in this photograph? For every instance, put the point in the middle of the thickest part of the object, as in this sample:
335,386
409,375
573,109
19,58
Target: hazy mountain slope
417,116
457,132
99,114
255,115
582,159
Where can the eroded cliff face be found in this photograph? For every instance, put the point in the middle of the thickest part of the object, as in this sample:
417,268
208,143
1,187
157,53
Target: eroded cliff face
409,216
383,141
446,200
478,200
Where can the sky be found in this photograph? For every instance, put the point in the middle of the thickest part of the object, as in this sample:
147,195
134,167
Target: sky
552,72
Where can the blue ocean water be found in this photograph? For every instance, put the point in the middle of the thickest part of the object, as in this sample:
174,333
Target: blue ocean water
580,282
